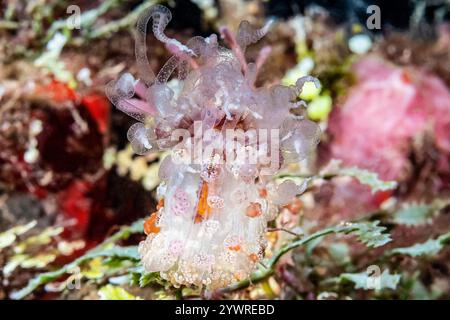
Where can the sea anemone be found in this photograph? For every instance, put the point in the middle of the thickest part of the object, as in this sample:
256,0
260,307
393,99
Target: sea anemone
228,140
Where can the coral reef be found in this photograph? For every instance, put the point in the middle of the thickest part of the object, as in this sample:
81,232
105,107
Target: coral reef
416,102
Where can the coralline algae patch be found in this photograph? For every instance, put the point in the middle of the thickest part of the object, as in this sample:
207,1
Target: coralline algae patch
209,227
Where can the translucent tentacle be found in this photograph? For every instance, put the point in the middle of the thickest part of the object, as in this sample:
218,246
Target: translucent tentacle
298,138
251,74
230,39
136,108
262,57
183,70
145,71
247,34
161,17
287,190
167,70
161,96
196,44
121,93
300,82
141,138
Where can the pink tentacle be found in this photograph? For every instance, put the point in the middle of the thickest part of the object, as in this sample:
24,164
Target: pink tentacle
230,39
140,89
262,57
137,106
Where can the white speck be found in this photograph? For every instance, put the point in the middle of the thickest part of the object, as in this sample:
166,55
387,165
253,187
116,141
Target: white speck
35,127
56,43
2,91
31,155
306,65
84,75
360,43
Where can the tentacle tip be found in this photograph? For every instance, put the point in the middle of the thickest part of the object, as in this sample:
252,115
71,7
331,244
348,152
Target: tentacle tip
301,81
265,29
317,83
301,103
212,39
176,47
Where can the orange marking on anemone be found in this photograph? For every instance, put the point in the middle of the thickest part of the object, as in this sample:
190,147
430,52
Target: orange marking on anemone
253,210
203,209
406,77
263,193
150,224
295,206
235,248
253,257
160,204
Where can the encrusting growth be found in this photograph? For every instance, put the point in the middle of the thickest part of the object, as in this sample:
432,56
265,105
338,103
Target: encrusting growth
210,223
